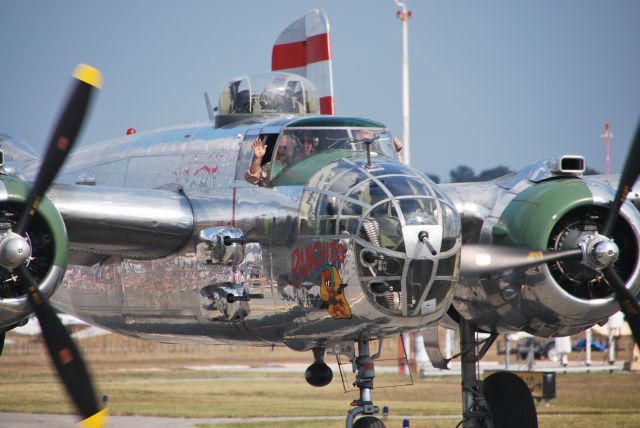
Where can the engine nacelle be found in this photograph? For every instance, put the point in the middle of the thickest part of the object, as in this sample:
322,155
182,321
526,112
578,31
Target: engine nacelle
47,238
559,298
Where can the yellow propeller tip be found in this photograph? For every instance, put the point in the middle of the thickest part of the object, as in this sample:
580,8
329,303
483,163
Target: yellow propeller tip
96,421
88,75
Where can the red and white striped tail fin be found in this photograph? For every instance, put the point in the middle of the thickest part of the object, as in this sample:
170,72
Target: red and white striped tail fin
304,48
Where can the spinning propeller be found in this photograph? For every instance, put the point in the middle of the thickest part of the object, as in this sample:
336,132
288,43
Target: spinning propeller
15,250
599,253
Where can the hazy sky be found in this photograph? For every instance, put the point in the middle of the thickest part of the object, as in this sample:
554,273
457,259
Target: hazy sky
492,82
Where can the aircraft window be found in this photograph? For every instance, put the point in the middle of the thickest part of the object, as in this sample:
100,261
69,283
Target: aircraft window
369,192
286,154
386,294
297,144
419,211
245,156
265,93
349,208
404,186
349,225
446,266
314,140
328,139
241,96
323,222
327,226
451,228
439,291
329,174
389,168
348,180
246,152
382,227
380,141
328,206
418,271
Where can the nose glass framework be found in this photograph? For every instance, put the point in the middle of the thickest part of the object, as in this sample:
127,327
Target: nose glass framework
386,210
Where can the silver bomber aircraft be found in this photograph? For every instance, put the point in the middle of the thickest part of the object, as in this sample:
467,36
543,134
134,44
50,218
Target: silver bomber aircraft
159,235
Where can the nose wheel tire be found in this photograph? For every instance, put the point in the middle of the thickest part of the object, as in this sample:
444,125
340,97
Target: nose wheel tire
509,401
368,422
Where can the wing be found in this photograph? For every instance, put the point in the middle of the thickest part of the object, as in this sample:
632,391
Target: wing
547,207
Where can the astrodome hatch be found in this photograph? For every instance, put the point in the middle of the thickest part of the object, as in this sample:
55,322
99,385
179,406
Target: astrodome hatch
266,95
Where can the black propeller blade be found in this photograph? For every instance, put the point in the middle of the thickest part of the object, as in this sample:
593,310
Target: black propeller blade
627,180
60,143
63,351
628,303
484,259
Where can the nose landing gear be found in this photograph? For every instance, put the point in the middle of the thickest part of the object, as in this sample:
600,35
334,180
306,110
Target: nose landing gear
320,374
364,368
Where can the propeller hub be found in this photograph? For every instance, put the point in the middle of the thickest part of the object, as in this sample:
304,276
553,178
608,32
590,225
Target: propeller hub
14,250
604,252
599,251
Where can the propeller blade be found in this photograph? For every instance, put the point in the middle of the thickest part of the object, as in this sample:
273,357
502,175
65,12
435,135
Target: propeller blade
627,180
64,135
628,304
484,259
64,353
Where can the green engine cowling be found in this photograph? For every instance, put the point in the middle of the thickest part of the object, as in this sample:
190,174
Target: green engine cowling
558,298
531,216
47,237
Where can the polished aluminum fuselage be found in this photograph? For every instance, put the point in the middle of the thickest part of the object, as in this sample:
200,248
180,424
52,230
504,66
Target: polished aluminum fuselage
151,282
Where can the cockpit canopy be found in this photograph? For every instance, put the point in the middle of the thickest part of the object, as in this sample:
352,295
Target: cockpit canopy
266,94
304,150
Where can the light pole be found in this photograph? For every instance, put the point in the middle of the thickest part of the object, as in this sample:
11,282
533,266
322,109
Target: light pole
607,135
403,14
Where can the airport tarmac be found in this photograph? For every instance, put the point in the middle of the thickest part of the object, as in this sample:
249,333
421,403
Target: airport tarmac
454,368
22,420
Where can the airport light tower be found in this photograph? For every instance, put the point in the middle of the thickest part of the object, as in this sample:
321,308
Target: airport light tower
403,14
607,135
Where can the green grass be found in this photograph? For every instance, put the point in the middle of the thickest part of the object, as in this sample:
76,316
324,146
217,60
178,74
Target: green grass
28,384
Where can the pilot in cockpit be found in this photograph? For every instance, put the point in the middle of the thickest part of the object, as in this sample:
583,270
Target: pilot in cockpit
258,173
308,142
292,147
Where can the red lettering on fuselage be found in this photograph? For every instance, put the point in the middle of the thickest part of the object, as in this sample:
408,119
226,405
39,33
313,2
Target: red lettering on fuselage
307,261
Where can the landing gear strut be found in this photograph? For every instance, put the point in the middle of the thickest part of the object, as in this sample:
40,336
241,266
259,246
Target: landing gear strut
365,372
501,400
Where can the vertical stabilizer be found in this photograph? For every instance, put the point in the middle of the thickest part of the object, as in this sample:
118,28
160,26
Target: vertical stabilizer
304,48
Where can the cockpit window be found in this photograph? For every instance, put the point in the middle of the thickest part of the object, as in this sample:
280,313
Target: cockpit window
358,138
298,144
